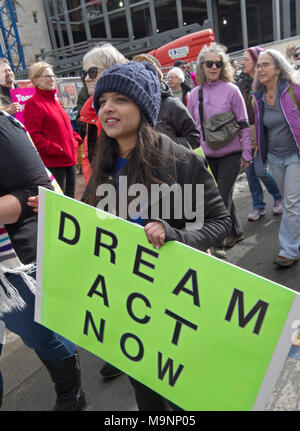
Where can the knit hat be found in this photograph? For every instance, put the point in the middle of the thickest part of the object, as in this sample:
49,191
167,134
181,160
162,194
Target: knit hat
254,51
137,81
148,57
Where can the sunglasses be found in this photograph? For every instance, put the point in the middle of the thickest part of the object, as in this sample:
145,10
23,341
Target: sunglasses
92,72
210,63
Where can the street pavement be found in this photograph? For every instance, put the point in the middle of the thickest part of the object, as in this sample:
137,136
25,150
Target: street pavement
27,385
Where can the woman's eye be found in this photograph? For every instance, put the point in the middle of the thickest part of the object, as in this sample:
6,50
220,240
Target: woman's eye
121,99
101,103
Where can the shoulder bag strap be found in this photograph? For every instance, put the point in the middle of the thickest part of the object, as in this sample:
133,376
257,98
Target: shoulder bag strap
292,96
200,97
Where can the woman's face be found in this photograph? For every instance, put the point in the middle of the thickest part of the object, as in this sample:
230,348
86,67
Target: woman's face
266,70
46,81
248,64
91,81
173,81
297,57
211,70
120,117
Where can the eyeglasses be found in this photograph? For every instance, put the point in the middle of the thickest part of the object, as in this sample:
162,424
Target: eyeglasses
263,66
210,63
297,55
47,76
92,72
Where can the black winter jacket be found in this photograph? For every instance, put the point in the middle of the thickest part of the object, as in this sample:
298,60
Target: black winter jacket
184,167
175,120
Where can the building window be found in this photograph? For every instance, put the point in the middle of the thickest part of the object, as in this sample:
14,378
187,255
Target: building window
35,17
15,12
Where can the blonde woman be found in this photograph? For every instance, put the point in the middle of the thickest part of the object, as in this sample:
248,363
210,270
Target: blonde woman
220,95
51,129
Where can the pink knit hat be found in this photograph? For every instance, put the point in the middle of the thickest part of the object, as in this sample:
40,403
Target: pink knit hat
254,51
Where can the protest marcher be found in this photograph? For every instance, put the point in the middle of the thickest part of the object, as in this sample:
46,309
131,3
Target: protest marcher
127,99
296,58
95,62
50,128
175,78
188,78
218,95
276,89
21,172
173,119
83,96
256,171
7,82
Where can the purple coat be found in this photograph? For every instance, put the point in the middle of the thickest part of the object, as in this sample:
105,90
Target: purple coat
219,97
290,111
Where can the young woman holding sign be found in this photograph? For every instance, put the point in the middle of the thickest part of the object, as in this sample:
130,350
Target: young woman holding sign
127,100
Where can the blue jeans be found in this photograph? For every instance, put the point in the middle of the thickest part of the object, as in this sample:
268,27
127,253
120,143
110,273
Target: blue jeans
47,344
256,172
286,171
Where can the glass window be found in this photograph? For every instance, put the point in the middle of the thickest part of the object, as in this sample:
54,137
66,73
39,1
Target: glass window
293,18
118,26
114,5
141,22
230,29
98,31
194,11
15,11
166,16
259,22
35,17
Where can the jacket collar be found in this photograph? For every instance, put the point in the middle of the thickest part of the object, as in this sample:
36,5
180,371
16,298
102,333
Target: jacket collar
50,94
214,83
283,85
88,113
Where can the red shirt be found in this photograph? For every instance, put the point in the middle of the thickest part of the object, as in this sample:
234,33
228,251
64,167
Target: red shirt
51,129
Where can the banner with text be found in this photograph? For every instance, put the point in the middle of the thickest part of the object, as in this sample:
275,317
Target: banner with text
203,333
21,95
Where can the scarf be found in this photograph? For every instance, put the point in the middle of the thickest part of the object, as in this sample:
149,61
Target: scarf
10,298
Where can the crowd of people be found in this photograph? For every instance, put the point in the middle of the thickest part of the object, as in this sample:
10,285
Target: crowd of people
137,123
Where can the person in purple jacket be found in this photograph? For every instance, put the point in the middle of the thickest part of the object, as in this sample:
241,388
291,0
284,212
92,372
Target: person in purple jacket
220,94
276,89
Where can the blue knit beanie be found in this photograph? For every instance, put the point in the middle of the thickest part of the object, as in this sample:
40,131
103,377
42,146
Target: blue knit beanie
137,81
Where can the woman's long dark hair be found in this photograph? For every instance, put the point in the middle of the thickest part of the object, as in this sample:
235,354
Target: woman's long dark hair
143,161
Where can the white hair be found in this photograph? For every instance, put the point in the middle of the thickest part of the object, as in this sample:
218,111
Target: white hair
104,55
287,71
177,72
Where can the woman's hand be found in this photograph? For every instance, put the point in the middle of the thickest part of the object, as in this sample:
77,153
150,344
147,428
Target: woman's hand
13,108
155,233
244,165
33,202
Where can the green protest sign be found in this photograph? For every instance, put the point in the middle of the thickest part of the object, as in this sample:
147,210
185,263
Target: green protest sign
205,334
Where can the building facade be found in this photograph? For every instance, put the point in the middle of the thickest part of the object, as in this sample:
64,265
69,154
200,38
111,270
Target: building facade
32,28
61,31
237,23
